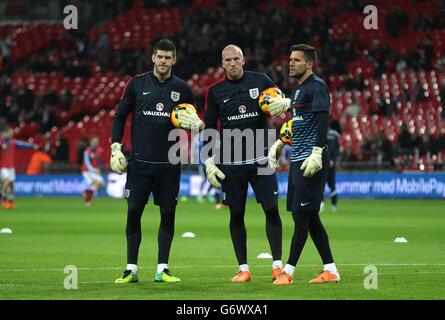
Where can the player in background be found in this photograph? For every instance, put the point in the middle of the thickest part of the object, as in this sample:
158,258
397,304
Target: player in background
150,98
7,165
205,188
39,161
334,151
91,170
309,105
234,102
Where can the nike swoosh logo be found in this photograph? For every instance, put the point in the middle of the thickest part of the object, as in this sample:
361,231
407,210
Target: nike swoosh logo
145,93
225,100
304,204
275,192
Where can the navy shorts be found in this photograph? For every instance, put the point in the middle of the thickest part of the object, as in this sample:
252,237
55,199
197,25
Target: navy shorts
304,194
235,185
161,179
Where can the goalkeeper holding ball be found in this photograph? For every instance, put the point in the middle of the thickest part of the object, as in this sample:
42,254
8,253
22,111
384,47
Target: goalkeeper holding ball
150,98
309,161
233,102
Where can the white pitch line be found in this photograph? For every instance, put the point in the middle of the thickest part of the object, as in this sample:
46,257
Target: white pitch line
192,279
234,266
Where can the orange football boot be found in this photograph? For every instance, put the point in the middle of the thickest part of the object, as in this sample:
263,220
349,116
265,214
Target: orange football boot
326,276
276,272
242,276
283,278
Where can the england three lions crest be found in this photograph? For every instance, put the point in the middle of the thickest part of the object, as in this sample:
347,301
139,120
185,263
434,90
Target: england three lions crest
175,96
254,93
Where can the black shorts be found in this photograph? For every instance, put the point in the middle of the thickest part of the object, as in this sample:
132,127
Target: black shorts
304,194
161,179
235,185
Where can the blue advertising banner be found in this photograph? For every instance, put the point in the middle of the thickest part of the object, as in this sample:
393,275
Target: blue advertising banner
349,185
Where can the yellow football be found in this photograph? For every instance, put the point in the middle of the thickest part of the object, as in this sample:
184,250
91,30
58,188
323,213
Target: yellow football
183,107
286,132
263,100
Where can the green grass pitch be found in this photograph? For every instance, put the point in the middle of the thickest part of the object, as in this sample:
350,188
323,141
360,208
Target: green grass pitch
51,233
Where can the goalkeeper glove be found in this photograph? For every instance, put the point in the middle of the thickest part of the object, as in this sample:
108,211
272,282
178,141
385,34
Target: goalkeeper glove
313,163
190,120
213,172
118,162
278,105
274,153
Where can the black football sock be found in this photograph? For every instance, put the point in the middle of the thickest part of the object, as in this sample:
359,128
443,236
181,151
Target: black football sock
274,231
238,234
301,230
166,233
320,238
133,232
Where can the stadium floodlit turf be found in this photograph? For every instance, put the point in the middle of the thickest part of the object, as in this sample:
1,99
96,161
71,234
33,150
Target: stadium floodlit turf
52,233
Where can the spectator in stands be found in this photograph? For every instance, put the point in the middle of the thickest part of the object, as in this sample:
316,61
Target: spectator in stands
395,21
404,96
352,109
419,92
368,147
427,54
65,99
62,149
442,98
425,146
385,151
103,51
5,55
349,83
405,140
25,99
51,98
401,64
422,23
349,156
47,119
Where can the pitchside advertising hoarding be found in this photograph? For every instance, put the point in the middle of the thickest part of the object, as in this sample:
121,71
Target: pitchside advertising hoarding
349,185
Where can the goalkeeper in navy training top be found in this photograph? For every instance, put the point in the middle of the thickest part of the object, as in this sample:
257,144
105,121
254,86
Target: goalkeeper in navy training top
150,98
309,105
334,150
234,102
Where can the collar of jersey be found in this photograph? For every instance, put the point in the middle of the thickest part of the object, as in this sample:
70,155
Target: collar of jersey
152,75
239,80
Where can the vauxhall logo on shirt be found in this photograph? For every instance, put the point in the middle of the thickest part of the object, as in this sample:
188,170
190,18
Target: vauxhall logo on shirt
243,115
158,113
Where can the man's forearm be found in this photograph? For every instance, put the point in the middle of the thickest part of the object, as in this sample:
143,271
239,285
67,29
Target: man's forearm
322,128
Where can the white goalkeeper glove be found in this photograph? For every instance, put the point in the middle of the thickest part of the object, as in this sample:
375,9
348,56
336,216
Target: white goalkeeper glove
118,162
274,153
313,163
213,172
278,105
190,120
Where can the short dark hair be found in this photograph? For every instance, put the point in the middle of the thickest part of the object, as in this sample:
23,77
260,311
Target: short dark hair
310,54
165,45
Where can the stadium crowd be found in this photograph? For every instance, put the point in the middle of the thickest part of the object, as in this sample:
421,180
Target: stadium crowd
265,32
